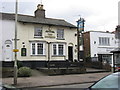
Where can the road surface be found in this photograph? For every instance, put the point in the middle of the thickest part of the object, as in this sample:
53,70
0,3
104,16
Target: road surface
81,86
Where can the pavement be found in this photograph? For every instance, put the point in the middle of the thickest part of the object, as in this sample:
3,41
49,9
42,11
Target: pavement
41,80
93,70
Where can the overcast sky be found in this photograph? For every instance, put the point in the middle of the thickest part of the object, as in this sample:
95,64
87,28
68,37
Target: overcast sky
100,15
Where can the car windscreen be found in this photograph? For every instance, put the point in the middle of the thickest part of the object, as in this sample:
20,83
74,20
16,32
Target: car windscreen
111,81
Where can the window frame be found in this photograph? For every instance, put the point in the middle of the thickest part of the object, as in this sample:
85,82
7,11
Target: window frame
36,48
104,41
60,49
57,49
60,34
36,31
54,49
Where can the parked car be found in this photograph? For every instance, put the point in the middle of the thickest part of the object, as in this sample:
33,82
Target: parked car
2,87
110,82
7,87
117,68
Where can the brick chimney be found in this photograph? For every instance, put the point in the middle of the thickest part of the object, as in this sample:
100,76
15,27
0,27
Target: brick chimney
40,12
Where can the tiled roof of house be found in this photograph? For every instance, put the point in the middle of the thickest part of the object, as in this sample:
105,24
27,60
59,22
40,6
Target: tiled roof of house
33,19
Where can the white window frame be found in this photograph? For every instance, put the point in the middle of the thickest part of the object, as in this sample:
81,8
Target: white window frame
107,58
36,30
36,48
54,47
57,49
60,34
104,41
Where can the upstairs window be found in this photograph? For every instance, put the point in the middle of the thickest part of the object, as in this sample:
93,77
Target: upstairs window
104,41
38,32
60,34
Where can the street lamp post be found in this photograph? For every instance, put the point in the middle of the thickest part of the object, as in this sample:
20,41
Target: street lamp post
15,50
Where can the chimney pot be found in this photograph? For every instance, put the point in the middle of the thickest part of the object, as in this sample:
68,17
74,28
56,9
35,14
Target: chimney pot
40,6
40,12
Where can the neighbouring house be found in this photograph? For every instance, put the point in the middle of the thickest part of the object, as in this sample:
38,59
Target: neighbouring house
98,46
7,35
116,51
40,39
1,39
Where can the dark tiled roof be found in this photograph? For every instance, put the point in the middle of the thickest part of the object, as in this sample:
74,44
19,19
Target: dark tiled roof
32,19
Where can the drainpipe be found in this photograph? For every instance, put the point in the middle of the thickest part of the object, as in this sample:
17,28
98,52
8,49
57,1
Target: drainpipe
48,53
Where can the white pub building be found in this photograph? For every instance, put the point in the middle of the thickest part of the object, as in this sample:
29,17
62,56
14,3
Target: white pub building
40,39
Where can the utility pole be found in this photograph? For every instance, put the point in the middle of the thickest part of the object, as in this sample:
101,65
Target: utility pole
78,43
15,50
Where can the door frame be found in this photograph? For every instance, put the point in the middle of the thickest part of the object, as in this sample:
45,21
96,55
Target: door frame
8,43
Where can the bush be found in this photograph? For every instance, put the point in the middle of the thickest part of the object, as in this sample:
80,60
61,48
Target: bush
24,72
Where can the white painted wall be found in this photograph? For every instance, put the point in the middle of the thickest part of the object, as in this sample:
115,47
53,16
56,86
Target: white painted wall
26,34
8,28
96,48
0,40
119,13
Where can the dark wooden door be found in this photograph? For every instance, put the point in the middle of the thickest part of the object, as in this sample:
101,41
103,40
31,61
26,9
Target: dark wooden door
70,53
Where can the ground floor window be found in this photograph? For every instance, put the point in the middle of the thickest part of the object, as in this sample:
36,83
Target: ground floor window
117,58
37,48
58,49
107,59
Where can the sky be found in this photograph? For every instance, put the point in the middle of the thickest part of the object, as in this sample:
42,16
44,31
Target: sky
99,15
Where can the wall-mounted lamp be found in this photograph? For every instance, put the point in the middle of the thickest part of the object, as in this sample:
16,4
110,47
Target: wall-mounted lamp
75,34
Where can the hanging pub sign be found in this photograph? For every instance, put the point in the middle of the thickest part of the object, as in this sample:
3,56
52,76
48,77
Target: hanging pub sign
80,24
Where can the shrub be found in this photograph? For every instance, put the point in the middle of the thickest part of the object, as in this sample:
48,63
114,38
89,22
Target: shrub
24,72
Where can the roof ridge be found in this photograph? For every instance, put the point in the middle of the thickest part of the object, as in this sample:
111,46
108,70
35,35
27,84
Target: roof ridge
31,16
33,19
18,14
55,19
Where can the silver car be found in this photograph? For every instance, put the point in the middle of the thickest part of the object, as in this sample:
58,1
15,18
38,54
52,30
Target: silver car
110,82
